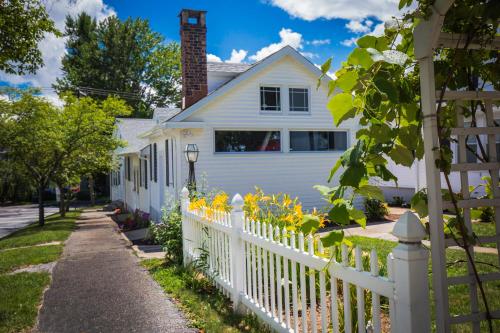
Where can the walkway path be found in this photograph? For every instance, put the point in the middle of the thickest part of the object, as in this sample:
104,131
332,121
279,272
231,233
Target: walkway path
99,286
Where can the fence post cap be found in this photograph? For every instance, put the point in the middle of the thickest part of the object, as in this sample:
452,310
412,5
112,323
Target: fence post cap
237,203
184,192
409,229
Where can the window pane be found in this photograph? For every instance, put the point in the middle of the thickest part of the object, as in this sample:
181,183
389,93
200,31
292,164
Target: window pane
270,99
318,141
299,100
247,141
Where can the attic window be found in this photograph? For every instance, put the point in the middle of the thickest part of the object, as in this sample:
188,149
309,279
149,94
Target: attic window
192,20
270,99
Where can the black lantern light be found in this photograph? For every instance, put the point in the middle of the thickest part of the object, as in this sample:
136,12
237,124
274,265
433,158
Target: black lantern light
191,153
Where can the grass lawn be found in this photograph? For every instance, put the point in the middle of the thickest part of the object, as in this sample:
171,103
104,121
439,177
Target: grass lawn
458,295
19,298
56,228
207,309
20,294
484,229
15,258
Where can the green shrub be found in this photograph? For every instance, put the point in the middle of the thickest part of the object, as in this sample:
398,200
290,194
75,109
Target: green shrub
487,214
375,209
168,233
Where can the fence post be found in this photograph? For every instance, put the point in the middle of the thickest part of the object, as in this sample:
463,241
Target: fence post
411,261
184,207
237,253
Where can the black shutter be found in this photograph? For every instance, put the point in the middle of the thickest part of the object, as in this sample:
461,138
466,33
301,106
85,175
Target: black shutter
155,161
151,162
146,174
140,173
167,164
129,171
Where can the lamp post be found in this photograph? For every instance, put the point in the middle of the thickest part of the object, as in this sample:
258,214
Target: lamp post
191,153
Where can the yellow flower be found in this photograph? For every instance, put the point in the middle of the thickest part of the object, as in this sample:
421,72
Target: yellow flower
298,212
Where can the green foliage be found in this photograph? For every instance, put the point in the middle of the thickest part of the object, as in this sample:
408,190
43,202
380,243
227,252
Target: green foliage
168,233
123,56
375,209
23,24
206,308
20,296
59,144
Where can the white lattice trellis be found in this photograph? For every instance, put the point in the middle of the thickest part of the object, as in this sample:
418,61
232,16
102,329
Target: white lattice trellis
428,37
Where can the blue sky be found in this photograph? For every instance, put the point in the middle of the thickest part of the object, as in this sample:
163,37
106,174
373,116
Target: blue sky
238,30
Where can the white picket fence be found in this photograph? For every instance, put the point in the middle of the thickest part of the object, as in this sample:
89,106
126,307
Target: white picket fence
290,282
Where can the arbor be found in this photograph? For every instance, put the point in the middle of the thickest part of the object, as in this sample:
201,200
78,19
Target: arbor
59,144
122,56
379,85
23,24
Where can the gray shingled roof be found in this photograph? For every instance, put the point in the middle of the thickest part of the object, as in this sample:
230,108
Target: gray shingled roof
227,67
129,129
162,114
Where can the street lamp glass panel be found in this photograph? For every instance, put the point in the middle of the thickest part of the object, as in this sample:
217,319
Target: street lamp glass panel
191,152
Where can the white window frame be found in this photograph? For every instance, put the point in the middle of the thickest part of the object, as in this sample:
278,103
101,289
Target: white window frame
337,152
271,112
289,110
243,129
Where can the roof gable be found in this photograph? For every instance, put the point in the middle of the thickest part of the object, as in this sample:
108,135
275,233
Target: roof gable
253,70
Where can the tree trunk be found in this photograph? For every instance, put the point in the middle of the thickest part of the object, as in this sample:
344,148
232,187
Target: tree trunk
41,212
92,190
62,201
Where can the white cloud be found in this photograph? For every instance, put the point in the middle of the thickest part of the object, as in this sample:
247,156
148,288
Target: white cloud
213,58
338,9
287,36
358,26
378,30
237,56
317,42
53,48
310,55
349,42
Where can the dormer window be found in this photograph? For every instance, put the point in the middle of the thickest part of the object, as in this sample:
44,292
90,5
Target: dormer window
270,99
299,99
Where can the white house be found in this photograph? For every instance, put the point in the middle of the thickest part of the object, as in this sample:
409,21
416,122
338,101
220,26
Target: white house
264,124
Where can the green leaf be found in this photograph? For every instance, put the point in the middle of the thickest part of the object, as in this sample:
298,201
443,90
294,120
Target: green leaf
333,238
358,216
324,190
371,192
401,155
309,223
384,173
377,43
419,204
352,176
348,80
337,165
360,57
326,66
339,212
340,106
387,88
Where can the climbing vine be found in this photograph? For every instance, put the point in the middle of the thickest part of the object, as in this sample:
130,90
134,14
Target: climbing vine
379,86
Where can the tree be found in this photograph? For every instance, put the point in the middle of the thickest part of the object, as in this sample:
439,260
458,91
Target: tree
58,144
93,123
125,57
379,86
23,24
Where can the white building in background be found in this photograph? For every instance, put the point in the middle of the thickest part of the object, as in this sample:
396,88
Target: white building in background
264,124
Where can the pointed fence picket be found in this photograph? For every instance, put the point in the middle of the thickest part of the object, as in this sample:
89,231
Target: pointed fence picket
295,285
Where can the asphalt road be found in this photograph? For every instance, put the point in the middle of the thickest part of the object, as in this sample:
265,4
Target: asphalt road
16,217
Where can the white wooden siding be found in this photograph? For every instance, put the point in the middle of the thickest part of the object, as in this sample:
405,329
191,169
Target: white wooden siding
291,172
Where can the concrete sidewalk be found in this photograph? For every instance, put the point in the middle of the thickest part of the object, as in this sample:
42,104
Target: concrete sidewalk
99,286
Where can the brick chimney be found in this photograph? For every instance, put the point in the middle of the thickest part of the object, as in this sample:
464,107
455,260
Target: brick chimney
194,57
